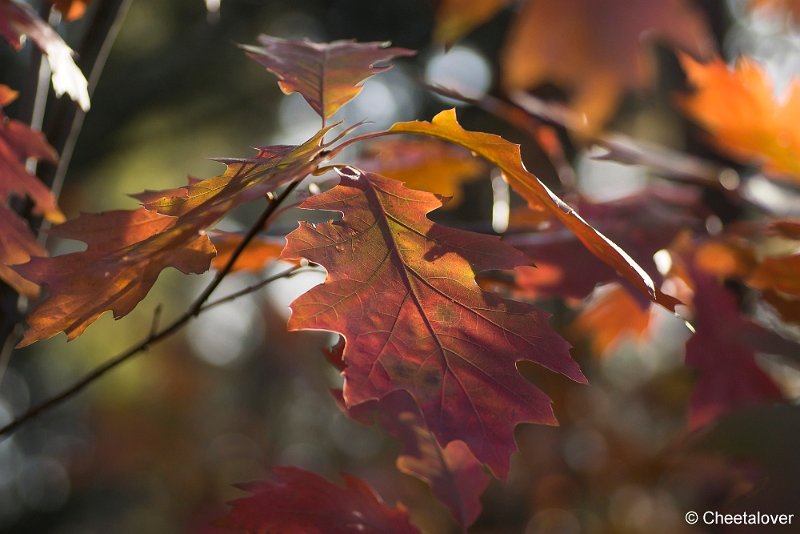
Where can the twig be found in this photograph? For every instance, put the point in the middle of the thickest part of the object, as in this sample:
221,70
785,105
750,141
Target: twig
194,310
156,319
62,129
287,273
66,121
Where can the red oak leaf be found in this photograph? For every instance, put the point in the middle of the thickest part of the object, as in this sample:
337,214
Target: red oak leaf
723,353
18,142
128,249
455,476
327,75
126,253
17,245
506,156
301,502
402,291
564,268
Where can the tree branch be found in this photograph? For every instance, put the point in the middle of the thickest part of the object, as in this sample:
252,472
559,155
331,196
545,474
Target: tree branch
198,306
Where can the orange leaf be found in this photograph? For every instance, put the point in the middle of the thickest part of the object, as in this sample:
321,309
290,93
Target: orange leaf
594,49
18,142
17,245
506,156
128,249
259,252
401,289
424,164
780,274
609,317
738,108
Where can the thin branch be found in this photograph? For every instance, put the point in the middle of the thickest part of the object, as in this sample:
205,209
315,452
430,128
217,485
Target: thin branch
287,273
66,121
194,310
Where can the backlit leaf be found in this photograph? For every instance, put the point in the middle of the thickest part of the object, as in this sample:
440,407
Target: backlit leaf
609,317
506,156
327,75
595,50
17,245
301,502
424,164
18,142
455,476
18,20
128,249
401,290
723,354
126,253
738,107
259,252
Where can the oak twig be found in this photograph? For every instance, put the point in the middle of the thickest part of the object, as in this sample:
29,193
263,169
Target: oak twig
198,306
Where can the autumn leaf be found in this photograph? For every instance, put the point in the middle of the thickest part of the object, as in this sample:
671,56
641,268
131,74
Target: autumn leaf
17,20
565,269
260,251
610,317
401,290
595,50
780,274
455,476
126,253
301,502
722,351
506,156
423,164
17,245
244,180
18,142
327,75
456,18
738,108
128,249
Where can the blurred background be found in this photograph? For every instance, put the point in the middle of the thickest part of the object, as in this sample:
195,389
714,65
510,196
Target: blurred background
157,445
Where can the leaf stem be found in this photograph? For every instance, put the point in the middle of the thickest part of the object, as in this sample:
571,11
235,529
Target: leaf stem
198,306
